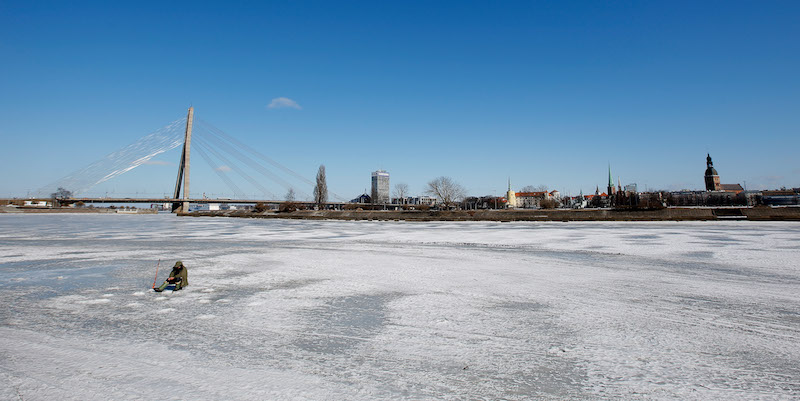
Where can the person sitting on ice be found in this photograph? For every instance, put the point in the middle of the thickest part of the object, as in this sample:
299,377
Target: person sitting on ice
177,276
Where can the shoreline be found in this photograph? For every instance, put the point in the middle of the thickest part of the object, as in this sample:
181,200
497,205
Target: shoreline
97,210
667,214
565,215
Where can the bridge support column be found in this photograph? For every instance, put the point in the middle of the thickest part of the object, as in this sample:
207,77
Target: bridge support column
183,168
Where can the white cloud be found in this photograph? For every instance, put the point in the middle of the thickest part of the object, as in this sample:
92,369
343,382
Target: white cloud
282,103
223,168
157,163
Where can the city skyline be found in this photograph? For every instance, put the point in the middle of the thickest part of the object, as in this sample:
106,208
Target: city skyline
548,94
382,186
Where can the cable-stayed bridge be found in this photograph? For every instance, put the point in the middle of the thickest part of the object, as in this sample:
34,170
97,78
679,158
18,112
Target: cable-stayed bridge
223,153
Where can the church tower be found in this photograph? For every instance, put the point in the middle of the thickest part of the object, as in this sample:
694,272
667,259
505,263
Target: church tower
712,178
611,189
511,197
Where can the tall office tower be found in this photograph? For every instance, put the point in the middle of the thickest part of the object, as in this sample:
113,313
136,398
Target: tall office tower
380,187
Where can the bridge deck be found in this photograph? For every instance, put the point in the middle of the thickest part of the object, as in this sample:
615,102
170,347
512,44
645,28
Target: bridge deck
168,200
198,200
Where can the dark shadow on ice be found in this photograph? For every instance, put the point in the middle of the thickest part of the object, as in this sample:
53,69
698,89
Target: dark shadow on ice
699,254
344,323
643,237
294,284
54,276
548,349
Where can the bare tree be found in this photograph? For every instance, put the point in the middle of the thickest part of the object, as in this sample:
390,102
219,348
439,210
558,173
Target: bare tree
290,196
548,204
61,193
447,191
401,191
531,188
321,189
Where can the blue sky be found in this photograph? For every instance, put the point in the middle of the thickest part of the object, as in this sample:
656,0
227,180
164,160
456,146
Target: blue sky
544,92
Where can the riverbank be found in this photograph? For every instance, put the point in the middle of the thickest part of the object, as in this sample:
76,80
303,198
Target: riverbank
668,214
90,210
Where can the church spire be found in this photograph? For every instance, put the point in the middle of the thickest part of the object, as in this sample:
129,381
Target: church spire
511,196
611,188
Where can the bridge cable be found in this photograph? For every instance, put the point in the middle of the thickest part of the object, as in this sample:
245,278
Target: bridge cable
236,168
251,163
226,165
122,160
211,128
244,159
237,192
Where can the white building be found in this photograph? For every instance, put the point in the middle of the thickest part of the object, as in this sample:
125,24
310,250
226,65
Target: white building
380,187
214,206
530,200
416,200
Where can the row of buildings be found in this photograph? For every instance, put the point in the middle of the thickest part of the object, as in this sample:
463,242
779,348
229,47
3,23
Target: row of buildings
380,193
715,194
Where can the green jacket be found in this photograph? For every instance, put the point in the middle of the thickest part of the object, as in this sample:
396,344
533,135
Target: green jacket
180,271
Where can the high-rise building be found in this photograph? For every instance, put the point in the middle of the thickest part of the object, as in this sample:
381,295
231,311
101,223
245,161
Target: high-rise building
380,187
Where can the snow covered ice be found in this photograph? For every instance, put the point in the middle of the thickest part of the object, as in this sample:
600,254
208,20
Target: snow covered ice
331,310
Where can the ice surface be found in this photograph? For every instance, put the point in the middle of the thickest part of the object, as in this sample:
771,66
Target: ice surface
397,310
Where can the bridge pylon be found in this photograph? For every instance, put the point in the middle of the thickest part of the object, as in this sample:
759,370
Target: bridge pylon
183,168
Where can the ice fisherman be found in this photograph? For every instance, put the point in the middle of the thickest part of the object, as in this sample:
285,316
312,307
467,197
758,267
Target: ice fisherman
177,276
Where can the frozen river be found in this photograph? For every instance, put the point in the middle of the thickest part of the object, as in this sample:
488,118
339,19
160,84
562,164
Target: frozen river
329,310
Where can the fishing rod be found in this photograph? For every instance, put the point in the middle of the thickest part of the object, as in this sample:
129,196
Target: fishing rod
156,278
